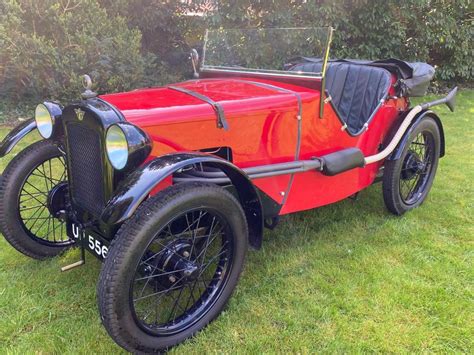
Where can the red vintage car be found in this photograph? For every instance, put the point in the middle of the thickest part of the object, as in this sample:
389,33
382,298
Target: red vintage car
170,185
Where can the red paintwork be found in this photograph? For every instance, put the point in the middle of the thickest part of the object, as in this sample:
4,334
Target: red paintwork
263,130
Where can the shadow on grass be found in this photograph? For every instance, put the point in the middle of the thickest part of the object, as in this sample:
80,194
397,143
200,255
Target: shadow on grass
320,223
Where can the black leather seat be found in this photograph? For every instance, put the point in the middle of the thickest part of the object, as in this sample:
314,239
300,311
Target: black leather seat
356,90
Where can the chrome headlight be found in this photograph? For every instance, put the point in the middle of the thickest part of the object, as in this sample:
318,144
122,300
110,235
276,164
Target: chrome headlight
44,121
45,117
117,147
127,145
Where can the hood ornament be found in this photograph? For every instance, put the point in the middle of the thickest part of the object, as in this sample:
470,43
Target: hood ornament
87,84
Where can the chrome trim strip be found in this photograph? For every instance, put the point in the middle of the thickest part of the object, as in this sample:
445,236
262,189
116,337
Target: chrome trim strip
205,69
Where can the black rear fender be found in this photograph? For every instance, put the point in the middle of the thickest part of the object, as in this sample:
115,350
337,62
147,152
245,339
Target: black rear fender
397,153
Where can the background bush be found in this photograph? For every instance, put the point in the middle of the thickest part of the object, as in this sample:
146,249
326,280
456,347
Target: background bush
439,32
45,45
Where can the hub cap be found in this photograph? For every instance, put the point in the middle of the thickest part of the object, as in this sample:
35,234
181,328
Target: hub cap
57,200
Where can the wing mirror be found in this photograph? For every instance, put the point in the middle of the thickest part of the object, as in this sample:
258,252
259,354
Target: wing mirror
195,62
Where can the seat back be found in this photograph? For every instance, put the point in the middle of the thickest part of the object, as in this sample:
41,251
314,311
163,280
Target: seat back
356,90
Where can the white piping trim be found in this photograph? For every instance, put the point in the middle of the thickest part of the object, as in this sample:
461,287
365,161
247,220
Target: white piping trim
396,139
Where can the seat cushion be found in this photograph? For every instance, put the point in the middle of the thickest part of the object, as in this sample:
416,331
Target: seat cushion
356,90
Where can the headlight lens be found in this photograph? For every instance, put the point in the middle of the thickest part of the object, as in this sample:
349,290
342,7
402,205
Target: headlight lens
44,121
117,147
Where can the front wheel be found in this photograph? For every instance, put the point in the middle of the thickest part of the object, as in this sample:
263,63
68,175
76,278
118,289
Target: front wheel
407,181
32,201
172,267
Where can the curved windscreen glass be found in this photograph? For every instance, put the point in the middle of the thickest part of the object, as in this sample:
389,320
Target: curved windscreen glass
267,50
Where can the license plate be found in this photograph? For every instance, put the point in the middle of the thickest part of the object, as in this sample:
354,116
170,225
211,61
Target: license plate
89,240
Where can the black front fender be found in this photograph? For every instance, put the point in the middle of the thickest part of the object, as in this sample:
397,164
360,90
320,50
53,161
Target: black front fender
397,153
15,135
138,186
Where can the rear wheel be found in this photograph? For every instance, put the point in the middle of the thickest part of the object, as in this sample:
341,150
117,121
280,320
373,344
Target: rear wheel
172,267
32,201
407,181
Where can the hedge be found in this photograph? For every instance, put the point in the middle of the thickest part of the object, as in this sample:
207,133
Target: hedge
45,45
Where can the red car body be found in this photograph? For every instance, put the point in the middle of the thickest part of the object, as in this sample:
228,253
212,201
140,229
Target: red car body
263,130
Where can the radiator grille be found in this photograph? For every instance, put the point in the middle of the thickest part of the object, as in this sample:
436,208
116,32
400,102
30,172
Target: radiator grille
86,168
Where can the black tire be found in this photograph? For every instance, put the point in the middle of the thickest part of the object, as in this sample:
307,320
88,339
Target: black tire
408,180
25,219
141,250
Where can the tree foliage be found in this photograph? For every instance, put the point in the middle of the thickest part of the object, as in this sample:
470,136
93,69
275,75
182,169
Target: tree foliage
439,32
45,45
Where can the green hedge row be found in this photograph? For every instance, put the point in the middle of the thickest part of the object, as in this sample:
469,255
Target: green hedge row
45,45
439,32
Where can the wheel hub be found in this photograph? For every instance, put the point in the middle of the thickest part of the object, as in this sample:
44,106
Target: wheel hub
411,166
191,271
174,261
57,200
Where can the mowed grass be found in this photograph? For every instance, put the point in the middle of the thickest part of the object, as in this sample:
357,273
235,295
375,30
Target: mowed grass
349,277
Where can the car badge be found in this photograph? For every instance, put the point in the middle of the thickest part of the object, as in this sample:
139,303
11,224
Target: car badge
79,114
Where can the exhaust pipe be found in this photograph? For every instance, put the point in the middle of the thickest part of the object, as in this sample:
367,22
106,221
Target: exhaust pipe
449,100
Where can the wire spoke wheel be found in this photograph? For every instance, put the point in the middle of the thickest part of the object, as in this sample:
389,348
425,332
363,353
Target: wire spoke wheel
416,168
408,179
172,268
33,203
34,206
182,271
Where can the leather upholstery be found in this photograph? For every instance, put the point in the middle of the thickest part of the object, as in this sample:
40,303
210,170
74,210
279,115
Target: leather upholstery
356,90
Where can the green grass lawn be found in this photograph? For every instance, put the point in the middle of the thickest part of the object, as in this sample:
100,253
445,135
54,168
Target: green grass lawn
349,277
